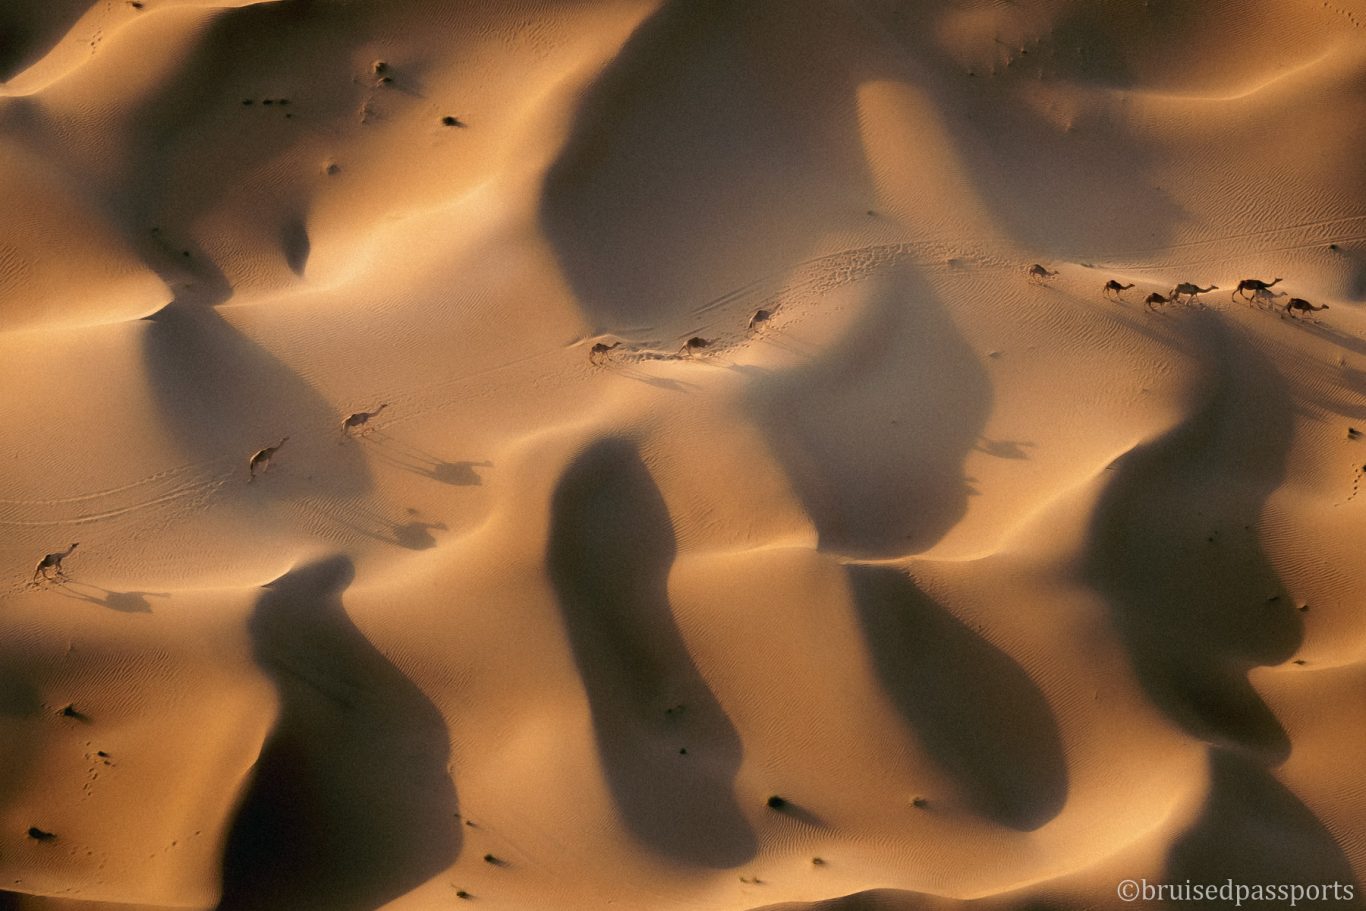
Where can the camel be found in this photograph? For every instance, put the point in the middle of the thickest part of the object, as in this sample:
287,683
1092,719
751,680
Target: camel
1039,273
1255,285
1156,299
600,349
1116,288
760,316
54,562
1299,303
359,419
262,459
696,343
1191,290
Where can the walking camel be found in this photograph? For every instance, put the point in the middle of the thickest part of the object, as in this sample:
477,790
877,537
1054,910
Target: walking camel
696,343
598,350
1302,305
1191,290
53,562
1255,285
1039,273
1114,287
262,458
359,419
1156,299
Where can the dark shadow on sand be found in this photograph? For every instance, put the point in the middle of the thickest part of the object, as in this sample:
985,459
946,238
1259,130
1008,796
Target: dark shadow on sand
796,811
412,533
768,93
125,602
610,550
1254,830
28,31
350,804
21,704
224,395
243,52
417,535
881,474
999,136
295,244
1174,549
408,457
974,709
699,89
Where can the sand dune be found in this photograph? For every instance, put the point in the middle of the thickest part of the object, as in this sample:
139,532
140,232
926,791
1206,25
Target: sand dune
937,585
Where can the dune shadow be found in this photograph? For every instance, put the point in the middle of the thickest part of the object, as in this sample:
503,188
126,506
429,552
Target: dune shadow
1355,285
610,549
28,31
245,52
875,900
1254,830
225,396
873,434
130,602
974,709
768,95
1000,136
21,700
634,205
350,804
1174,549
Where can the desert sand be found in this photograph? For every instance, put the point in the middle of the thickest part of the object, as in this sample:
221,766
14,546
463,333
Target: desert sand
942,585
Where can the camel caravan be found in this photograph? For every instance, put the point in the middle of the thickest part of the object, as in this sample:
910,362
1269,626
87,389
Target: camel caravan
359,424
1255,291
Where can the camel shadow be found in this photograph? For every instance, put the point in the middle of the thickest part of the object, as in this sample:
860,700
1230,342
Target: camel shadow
458,474
659,382
801,814
413,459
1188,502
417,535
130,602
1335,336
609,553
350,804
979,716
1004,449
414,534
